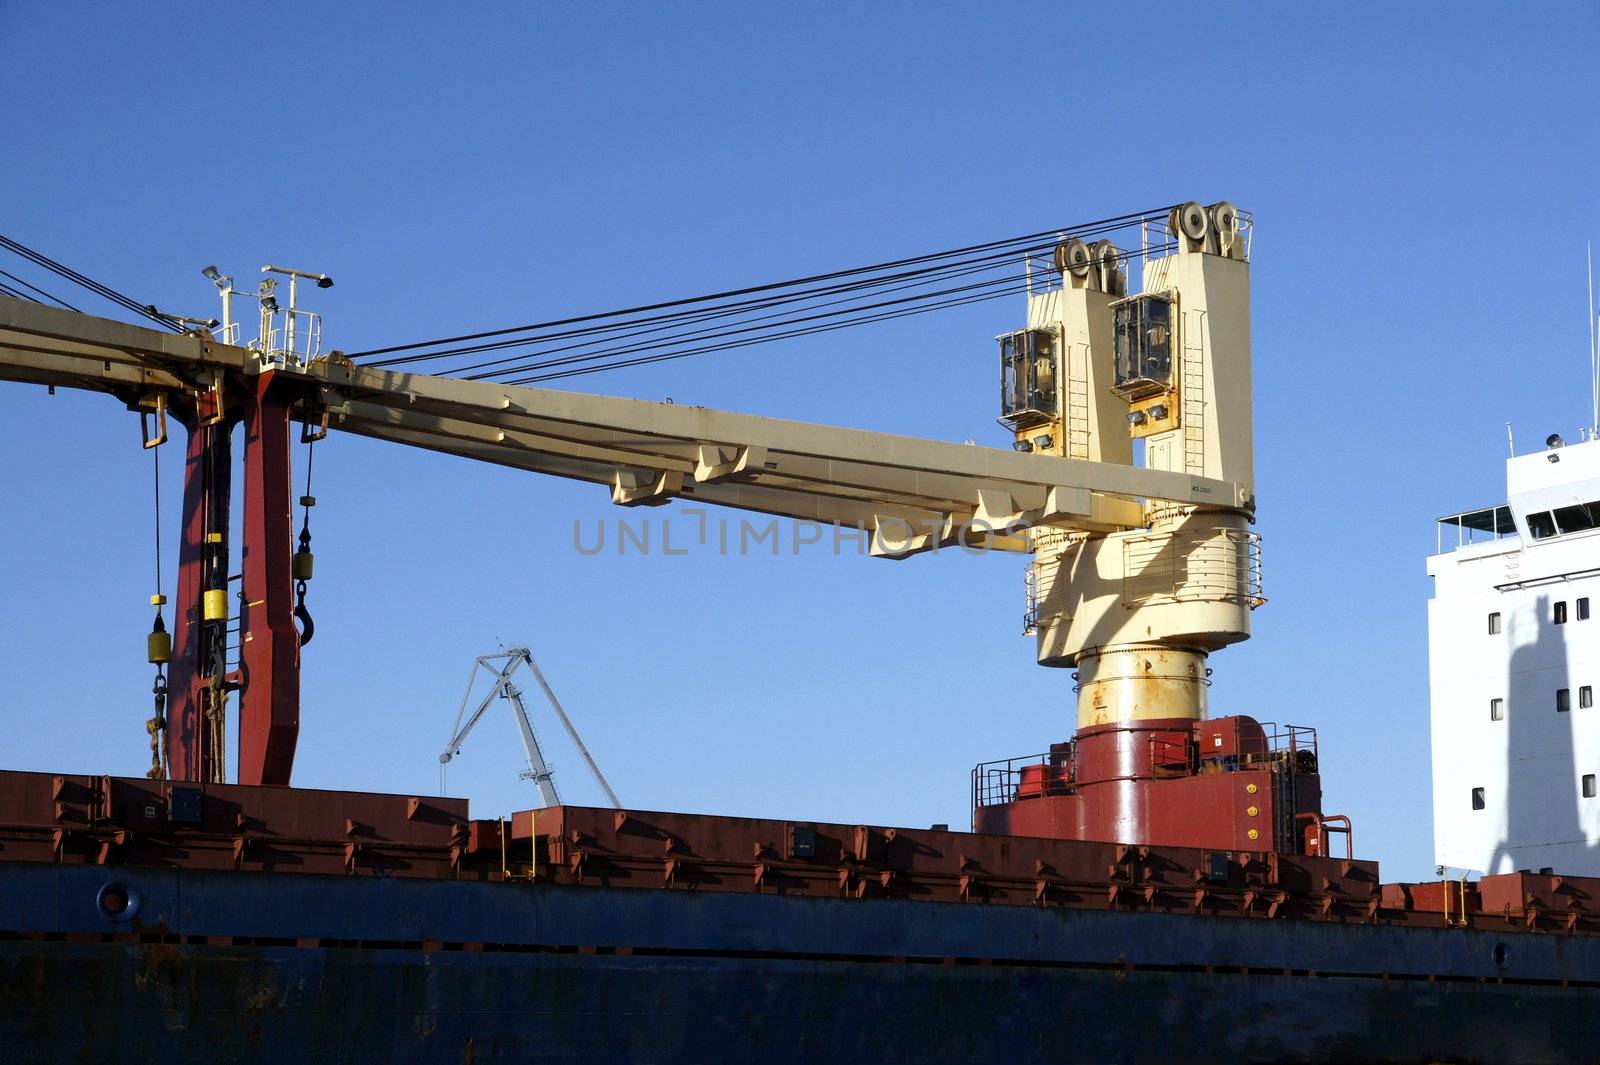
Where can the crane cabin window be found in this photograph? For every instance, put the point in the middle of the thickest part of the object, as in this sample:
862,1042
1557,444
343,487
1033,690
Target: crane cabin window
1028,370
1143,346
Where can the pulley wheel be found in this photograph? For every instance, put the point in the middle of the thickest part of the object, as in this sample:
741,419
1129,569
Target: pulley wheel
1072,257
1192,220
1225,218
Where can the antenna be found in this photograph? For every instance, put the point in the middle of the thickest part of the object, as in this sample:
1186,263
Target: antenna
1511,441
1594,352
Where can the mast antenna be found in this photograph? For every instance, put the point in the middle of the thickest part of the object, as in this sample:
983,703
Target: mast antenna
1594,352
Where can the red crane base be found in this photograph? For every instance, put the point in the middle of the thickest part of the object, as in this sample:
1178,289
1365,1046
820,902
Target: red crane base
251,653
1224,784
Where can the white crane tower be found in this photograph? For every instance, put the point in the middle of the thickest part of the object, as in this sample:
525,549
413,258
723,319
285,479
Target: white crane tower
500,667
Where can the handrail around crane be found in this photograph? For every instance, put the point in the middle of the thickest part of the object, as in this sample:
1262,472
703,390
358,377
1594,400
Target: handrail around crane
1329,823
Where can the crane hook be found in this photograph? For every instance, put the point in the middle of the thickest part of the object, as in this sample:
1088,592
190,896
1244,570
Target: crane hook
308,628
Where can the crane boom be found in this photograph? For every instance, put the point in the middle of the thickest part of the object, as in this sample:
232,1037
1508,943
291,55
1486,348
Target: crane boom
912,494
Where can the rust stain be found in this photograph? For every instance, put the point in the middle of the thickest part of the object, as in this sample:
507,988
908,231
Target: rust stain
264,995
160,973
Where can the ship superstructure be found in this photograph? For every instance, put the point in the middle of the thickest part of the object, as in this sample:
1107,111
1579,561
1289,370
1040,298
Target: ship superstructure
1514,665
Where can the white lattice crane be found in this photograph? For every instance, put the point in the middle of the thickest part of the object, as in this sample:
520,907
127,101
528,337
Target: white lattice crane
500,667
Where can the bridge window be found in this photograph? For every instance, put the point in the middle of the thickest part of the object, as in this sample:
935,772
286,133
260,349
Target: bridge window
1578,518
1585,697
1583,609
1497,709
1561,613
1563,700
1564,520
1477,798
1494,624
1588,785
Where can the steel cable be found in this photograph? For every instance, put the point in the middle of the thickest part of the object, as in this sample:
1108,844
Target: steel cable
69,274
857,315
40,291
1000,248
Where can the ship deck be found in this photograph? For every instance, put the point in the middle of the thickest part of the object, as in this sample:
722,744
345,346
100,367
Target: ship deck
230,923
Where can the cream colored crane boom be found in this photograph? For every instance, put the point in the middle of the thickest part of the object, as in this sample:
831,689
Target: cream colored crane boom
911,494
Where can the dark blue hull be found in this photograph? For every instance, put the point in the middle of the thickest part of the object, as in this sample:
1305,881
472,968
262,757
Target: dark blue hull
328,968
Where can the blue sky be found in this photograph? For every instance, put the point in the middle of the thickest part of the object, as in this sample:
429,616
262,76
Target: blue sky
1422,177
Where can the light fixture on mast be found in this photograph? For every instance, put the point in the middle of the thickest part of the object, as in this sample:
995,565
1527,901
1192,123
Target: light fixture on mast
297,334
224,283
322,280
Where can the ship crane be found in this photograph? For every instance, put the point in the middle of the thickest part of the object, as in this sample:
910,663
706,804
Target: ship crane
1129,486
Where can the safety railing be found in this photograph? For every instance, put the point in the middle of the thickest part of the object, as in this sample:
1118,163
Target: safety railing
1220,565
297,341
1484,525
1291,738
1024,777
1172,757
1030,586
235,626
1317,829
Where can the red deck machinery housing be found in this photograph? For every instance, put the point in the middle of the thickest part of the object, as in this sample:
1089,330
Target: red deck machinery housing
1231,783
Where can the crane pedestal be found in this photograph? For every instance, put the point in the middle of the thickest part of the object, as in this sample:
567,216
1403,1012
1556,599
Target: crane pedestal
1231,783
236,634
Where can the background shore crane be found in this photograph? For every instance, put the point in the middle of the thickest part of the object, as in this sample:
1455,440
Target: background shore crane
500,668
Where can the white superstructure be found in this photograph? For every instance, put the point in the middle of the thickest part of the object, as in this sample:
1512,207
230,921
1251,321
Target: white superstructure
1514,664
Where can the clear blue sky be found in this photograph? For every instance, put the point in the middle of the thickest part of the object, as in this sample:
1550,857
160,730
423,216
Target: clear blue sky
1423,179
